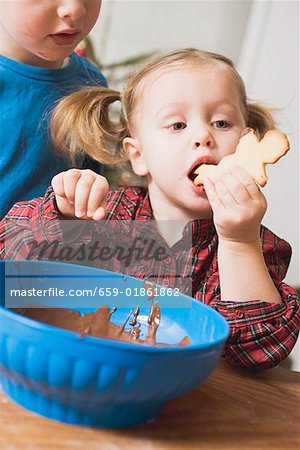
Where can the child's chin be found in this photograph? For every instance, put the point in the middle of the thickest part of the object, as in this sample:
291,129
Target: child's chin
200,208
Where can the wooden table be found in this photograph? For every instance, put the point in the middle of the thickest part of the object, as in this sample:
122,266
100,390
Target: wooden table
233,409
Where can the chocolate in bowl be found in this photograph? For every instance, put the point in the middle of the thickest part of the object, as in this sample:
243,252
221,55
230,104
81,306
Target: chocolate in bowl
98,323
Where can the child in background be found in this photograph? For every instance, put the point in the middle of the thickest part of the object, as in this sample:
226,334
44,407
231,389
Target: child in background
37,68
182,109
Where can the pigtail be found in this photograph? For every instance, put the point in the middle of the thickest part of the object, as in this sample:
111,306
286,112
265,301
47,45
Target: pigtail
82,122
260,119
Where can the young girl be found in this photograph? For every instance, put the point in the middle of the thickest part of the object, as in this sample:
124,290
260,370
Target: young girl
37,68
182,109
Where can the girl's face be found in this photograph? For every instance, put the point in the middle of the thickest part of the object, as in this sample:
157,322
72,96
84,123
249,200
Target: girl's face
44,32
183,118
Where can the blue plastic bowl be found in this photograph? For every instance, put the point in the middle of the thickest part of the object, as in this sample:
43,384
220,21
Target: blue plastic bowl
99,382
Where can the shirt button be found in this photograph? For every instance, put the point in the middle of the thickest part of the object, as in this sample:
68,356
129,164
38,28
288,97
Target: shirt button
166,282
168,259
238,314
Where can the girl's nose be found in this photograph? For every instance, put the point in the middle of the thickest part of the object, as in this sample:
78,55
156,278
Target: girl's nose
72,9
204,139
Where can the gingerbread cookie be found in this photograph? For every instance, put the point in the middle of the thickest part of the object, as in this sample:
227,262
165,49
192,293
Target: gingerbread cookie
251,154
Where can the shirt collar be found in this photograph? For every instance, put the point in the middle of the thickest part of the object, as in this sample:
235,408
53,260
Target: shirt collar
144,211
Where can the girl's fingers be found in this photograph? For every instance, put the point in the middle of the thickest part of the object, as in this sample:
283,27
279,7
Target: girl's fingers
100,213
238,192
211,193
97,197
247,181
57,183
223,187
245,131
236,187
70,180
82,193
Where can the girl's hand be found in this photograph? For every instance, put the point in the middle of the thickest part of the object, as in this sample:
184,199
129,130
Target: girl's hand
238,205
80,194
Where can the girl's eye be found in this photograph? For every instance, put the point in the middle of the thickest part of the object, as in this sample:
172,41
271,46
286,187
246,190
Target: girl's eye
178,126
220,124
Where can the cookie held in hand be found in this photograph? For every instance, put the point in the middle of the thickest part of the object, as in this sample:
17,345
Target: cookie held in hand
251,154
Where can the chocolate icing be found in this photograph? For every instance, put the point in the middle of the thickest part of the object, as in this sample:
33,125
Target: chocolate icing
98,323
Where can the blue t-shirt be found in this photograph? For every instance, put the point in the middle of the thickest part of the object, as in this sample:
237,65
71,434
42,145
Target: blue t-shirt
28,94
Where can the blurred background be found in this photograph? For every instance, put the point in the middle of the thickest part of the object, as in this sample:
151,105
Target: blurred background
262,39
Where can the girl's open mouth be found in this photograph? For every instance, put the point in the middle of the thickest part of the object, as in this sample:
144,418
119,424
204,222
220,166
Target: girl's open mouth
192,175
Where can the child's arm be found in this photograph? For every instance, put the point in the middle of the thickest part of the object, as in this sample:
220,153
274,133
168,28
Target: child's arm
238,207
80,194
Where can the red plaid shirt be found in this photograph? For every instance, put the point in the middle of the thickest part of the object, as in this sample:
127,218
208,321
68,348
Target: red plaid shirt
262,334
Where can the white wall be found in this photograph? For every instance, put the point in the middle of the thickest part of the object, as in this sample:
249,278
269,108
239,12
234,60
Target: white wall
131,27
261,37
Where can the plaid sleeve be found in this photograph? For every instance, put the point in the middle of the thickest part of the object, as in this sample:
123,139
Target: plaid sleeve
26,222
261,334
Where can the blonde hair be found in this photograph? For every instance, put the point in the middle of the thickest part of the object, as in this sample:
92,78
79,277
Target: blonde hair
83,121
